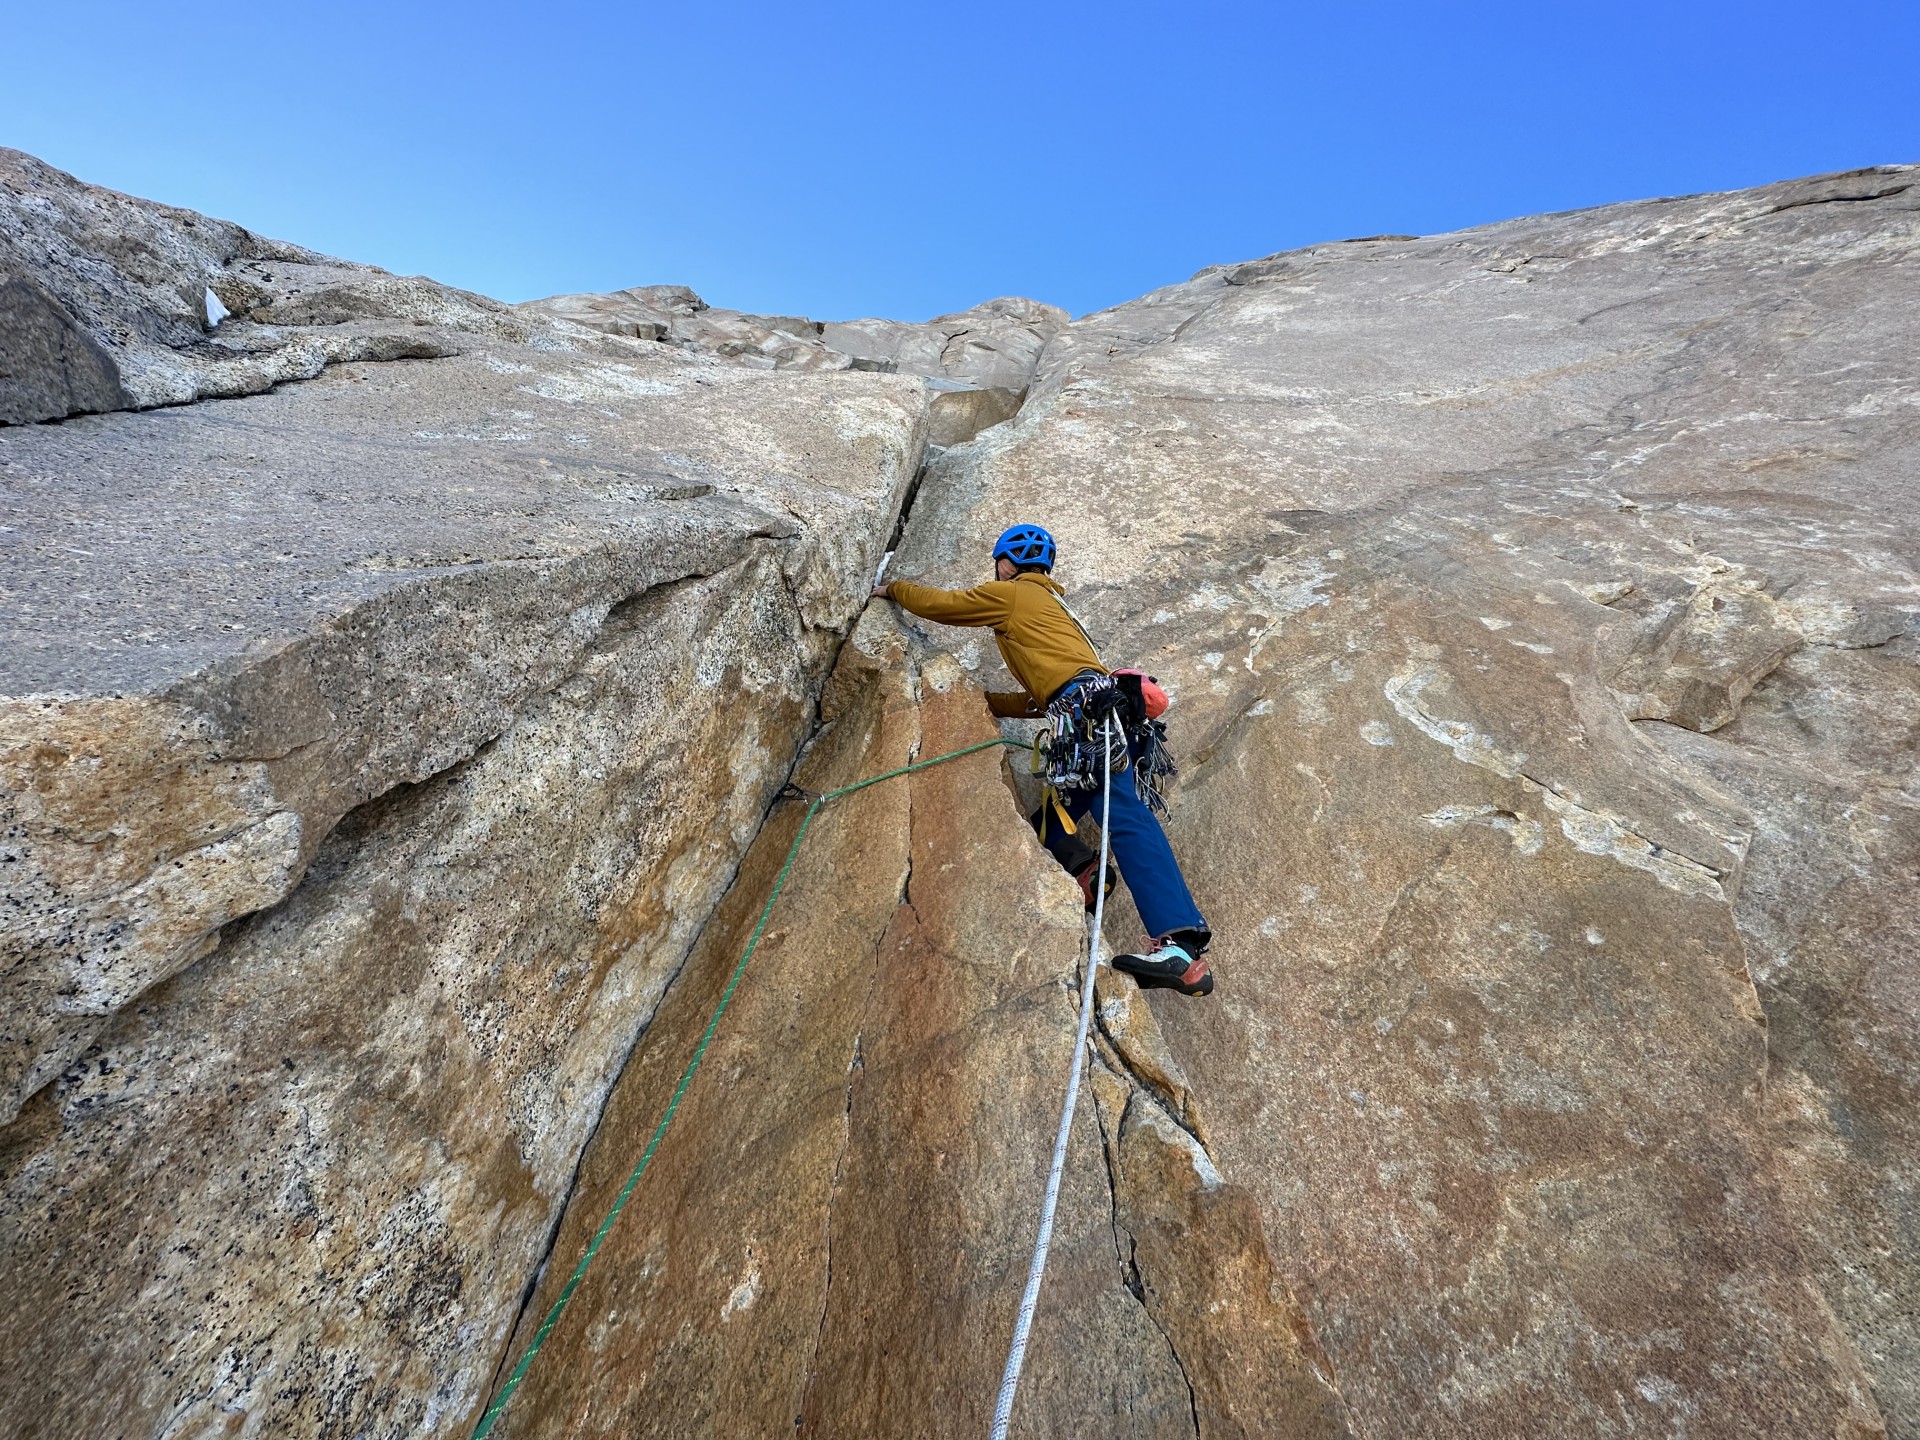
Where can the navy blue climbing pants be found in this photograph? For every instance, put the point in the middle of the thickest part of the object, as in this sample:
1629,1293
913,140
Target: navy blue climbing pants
1139,845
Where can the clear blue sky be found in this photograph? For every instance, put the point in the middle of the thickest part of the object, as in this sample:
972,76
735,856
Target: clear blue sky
905,159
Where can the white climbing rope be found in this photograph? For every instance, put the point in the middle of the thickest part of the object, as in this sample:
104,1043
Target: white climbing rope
1017,1354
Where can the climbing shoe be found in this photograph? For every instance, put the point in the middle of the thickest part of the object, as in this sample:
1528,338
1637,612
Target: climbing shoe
1167,964
1084,875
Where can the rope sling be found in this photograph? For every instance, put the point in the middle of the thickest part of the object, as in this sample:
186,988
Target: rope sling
1017,1356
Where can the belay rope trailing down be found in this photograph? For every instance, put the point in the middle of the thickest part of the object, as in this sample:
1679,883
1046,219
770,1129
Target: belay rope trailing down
1016,1357
1017,1353
493,1412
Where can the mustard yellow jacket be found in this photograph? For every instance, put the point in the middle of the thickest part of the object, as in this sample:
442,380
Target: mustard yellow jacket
1042,644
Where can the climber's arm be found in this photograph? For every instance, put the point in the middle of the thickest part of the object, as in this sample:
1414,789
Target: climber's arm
1014,705
989,604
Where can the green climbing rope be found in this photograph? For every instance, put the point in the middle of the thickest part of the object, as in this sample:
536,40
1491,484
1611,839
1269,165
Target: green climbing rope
686,1077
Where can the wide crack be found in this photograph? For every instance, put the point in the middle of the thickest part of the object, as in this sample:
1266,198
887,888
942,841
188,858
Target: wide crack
784,791
856,1068
508,1351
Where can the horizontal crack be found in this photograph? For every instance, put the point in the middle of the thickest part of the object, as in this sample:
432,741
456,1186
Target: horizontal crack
1881,194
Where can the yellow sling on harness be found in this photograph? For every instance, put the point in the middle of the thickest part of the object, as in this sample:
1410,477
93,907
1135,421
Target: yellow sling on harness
1052,798
1049,797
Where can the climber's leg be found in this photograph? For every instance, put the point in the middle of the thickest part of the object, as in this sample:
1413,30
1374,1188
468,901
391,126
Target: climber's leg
1076,857
1146,860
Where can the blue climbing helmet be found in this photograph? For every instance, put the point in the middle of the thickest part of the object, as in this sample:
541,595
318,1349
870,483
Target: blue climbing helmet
1025,545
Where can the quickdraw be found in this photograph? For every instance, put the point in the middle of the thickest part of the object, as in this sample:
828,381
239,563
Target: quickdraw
1077,748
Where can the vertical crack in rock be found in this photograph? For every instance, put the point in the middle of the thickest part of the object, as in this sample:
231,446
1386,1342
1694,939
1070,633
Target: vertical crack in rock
1113,1070
538,1272
1479,1212
1193,1400
1127,1258
1169,1203
906,875
906,506
786,789
1109,1153
856,1071
1128,1047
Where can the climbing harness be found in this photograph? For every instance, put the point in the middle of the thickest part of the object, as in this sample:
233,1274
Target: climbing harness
1079,748
492,1415
1073,749
1030,1298
1016,1355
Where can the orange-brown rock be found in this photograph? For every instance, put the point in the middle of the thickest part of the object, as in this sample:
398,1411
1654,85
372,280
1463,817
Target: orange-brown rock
1539,605
371,753
833,1237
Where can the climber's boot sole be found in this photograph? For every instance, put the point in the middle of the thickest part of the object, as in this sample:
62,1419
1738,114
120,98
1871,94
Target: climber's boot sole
1163,971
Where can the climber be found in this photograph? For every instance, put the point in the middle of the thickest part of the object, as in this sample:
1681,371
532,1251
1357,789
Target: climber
1048,652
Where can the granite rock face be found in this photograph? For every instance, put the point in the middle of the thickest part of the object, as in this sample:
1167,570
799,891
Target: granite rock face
978,362
395,766
146,285
1540,606
995,345
674,315
837,1232
49,367
372,752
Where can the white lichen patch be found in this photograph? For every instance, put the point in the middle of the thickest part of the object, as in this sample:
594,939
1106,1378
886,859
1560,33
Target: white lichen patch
1292,586
1209,598
1493,623
598,383
742,1296
1377,732
1527,835
1404,692
941,673
1600,832
1591,831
